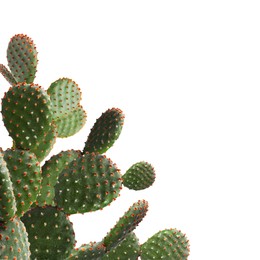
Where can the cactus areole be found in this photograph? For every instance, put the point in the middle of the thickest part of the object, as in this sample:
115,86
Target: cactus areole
37,196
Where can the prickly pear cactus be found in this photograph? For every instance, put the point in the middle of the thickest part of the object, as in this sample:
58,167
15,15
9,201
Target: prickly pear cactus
7,201
139,176
37,196
22,58
167,244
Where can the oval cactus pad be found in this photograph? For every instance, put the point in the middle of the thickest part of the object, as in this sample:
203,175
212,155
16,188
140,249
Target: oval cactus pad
166,244
127,223
91,182
26,177
14,240
22,58
7,199
50,233
68,114
27,115
105,131
139,176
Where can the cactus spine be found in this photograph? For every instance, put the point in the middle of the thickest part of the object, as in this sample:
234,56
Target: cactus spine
37,197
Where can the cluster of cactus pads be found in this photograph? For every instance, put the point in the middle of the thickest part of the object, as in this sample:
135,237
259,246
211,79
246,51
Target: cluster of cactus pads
37,197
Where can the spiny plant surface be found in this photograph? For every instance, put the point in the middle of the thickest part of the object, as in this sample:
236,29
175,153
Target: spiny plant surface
37,196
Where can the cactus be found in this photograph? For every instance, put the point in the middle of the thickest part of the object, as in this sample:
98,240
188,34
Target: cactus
7,75
7,201
22,58
105,131
50,233
50,174
37,196
139,176
127,223
68,115
27,107
25,174
167,244
14,242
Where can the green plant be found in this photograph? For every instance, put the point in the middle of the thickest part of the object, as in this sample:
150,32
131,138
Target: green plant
35,201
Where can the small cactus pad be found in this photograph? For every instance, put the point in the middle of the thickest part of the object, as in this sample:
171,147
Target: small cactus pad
127,249
7,199
50,174
91,182
139,176
166,244
7,75
105,131
25,174
126,224
91,251
50,233
27,115
14,240
22,58
68,115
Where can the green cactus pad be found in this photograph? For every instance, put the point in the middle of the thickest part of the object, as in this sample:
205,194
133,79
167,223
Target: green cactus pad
50,233
27,115
7,75
25,174
166,244
14,240
139,176
68,115
105,131
7,199
91,251
43,148
127,249
126,224
22,58
90,183
50,174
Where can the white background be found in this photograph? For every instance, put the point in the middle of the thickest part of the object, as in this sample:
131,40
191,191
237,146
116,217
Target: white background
186,75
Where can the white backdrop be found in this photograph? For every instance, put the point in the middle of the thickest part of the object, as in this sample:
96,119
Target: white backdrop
186,75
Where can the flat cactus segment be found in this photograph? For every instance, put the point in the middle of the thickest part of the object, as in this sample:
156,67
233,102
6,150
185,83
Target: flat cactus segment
127,249
68,115
25,174
166,244
65,95
71,123
105,131
91,182
7,199
50,233
127,223
91,251
50,174
7,75
139,176
22,58
27,115
14,240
